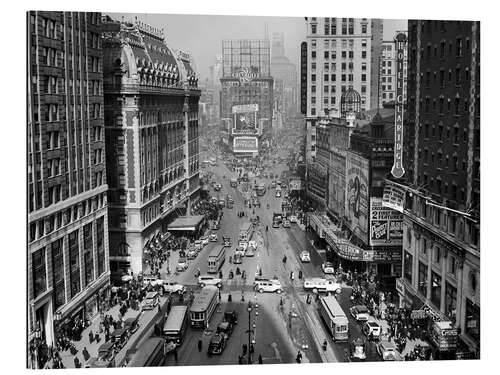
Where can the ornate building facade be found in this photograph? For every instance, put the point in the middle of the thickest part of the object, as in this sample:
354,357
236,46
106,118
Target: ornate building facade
151,96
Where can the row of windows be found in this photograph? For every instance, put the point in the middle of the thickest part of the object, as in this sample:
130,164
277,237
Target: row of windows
447,78
459,106
344,77
333,55
330,26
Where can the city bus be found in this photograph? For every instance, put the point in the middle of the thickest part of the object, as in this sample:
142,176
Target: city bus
204,305
176,324
261,190
216,259
246,231
334,317
149,354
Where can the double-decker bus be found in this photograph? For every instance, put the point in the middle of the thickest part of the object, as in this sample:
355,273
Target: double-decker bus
149,354
216,259
334,317
204,305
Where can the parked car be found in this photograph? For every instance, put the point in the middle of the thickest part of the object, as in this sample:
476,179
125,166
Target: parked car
252,244
276,224
372,329
173,287
250,252
358,349
213,237
204,240
239,251
204,280
305,256
360,313
217,344
243,244
150,301
328,268
226,241
231,316
191,254
217,186
225,328
387,350
237,258
198,244
182,264
271,286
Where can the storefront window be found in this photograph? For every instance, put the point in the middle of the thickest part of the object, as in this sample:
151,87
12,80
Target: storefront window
100,246
408,265
39,272
74,262
436,290
87,254
472,319
422,278
450,301
58,273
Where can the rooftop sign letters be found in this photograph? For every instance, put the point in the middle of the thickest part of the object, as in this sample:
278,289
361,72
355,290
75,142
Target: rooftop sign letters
245,75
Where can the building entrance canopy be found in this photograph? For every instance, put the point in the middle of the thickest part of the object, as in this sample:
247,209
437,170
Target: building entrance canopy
187,223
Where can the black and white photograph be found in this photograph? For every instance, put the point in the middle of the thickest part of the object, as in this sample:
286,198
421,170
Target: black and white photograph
251,189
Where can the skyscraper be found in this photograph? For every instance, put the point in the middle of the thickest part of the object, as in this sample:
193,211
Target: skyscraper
68,271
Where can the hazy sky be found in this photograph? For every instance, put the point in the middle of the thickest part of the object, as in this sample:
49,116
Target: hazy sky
202,35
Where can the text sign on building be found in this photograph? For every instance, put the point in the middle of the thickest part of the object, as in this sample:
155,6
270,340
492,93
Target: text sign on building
397,168
386,225
246,74
245,119
356,205
245,144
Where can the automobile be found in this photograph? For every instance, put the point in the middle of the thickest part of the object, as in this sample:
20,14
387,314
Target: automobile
358,349
286,223
225,328
173,287
271,286
229,198
276,224
237,258
150,301
359,312
283,186
252,244
149,280
198,244
278,182
243,244
318,284
217,187
191,254
182,264
240,251
273,185
213,200
249,251
204,280
305,256
278,194
387,350
222,203
229,205
204,240
226,241
293,219
328,268
217,344
372,329
216,225
212,237
231,316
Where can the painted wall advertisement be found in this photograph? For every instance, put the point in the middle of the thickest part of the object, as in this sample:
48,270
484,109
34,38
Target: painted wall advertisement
356,204
245,119
245,144
386,225
336,185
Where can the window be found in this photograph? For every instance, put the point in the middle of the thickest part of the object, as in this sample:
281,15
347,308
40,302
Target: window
326,77
363,29
313,66
313,77
334,77
39,272
58,273
326,54
437,252
74,261
363,54
363,43
88,258
100,246
313,54
422,278
436,290
363,66
450,301
344,54
313,89
472,319
313,29
459,47
363,77
325,89
408,266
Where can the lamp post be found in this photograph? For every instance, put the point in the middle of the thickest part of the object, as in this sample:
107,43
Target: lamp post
250,330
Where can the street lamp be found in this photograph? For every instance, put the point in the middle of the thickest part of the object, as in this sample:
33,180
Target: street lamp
250,331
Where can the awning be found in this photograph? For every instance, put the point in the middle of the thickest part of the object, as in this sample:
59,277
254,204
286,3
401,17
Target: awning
186,223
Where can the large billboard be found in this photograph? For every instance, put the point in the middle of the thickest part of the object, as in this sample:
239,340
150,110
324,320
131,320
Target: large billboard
245,144
356,203
336,185
386,225
245,119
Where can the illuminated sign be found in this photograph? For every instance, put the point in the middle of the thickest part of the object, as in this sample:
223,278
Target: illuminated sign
245,119
245,75
397,169
245,144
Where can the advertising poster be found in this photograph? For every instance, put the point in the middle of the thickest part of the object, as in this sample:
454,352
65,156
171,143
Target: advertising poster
386,225
336,185
356,204
245,144
245,119
394,197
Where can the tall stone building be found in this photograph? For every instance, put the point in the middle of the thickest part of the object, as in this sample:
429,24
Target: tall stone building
441,247
67,259
151,117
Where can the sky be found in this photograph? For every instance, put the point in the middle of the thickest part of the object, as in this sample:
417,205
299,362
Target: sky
202,35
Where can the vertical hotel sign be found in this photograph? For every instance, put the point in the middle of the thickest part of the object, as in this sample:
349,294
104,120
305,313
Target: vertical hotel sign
397,168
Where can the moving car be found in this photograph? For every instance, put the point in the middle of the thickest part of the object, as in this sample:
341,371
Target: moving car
222,203
231,316
276,224
191,254
252,244
278,194
225,328
360,313
182,264
217,344
216,225
226,241
305,256
213,237
358,349
239,251
387,350
372,329
237,258
293,219
150,301
198,244
243,244
204,240
328,268
271,286
249,251
217,186
204,280
286,223
317,284
173,287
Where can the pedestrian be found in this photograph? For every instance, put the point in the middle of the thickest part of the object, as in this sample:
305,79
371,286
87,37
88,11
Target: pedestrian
291,275
260,360
229,298
86,354
240,359
245,348
91,336
200,344
325,343
299,357
159,308
220,296
77,362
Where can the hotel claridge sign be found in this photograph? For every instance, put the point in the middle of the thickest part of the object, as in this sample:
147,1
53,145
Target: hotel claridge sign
270,198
